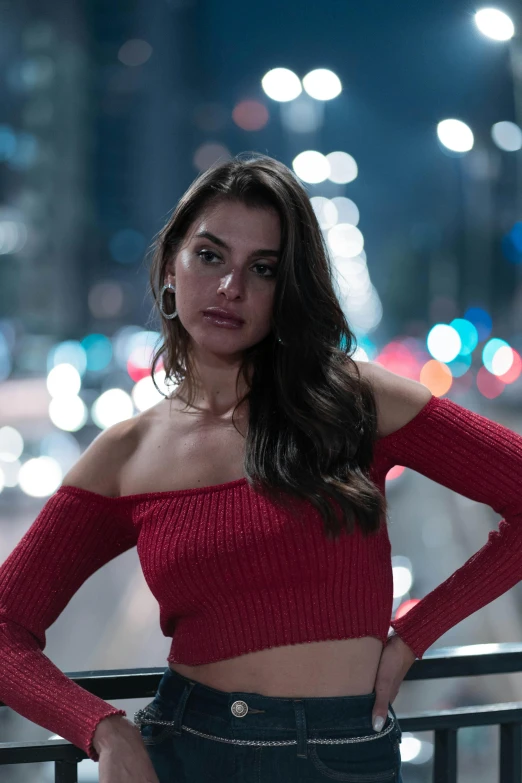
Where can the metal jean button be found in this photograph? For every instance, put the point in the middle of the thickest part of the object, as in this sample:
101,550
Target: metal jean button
239,709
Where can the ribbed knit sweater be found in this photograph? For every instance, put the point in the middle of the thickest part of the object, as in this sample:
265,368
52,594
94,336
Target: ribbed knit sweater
233,573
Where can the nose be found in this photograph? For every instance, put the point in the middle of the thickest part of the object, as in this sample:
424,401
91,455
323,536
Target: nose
231,285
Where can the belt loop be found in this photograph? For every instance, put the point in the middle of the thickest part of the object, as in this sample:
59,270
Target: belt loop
180,709
300,721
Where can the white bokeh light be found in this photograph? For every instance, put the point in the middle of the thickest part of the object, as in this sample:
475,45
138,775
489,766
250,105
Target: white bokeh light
144,394
68,413
455,135
507,136
502,360
39,477
112,406
281,84
63,380
311,166
494,24
444,342
322,84
325,211
11,444
343,168
347,210
345,240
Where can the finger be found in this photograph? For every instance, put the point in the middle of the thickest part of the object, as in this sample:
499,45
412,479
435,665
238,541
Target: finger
380,710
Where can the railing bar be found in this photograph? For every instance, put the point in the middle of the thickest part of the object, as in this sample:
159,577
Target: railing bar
445,761
65,772
510,761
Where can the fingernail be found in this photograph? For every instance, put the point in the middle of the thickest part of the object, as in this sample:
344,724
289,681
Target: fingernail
378,723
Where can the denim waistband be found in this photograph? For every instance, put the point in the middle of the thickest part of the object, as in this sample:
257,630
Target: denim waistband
246,715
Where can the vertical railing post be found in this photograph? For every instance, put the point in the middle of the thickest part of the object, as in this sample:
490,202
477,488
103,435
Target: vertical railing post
510,753
65,772
445,762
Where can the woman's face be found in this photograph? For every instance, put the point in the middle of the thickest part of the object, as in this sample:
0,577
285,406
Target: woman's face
234,269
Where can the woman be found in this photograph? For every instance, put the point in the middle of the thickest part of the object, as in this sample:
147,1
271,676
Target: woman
255,496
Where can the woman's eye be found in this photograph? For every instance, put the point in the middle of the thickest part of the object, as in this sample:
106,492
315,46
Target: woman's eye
204,253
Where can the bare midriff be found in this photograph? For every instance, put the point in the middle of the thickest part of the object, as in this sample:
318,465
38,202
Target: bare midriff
345,667
206,451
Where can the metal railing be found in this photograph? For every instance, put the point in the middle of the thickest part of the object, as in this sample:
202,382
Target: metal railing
443,662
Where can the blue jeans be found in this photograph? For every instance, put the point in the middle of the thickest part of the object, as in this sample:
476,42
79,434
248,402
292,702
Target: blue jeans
197,734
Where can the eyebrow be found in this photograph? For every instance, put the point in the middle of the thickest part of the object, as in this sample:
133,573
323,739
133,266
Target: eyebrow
221,243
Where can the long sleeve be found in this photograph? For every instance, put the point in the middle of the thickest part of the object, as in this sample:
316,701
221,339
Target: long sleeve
481,460
75,533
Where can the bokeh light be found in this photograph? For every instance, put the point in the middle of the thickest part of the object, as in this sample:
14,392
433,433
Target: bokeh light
250,115
481,320
135,52
311,166
343,168
494,24
507,136
455,135
437,377
322,84
444,342
281,84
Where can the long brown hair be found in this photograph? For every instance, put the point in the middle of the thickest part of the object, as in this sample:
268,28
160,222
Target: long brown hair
312,415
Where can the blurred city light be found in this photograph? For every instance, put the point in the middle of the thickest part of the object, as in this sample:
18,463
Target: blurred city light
302,115
489,385
343,168
402,575
311,166
250,115
322,84
11,444
347,210
135,52
144,393
346,241
507,136
68,352
281,84
39,477
468,335
481,321
98,349
494,24
68,413
112,406
443,342
515,371
63,380
325,211
490,354
436,376
455,135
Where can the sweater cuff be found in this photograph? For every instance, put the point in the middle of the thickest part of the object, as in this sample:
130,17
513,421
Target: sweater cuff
90,749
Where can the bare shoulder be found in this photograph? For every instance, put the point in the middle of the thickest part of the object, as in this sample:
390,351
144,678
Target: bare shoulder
398,399
99,467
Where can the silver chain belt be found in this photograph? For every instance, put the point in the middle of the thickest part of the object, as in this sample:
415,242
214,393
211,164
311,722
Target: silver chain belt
271,743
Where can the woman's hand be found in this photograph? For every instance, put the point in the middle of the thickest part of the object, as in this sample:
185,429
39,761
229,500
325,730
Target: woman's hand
396,659
123,757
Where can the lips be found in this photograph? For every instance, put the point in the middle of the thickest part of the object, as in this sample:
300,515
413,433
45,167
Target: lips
224,315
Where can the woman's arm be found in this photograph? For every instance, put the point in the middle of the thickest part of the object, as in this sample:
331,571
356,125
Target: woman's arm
481,460
76,532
